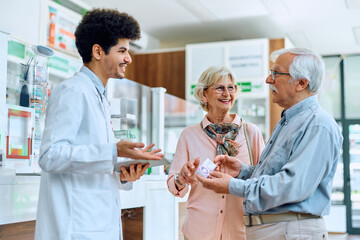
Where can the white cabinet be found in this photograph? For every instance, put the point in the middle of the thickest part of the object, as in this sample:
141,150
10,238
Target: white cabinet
159,212
198,58
21,18
19,197
249,61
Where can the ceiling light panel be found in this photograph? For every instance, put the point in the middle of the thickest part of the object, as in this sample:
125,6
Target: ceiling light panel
299,39
198,9
352,4
356,32
276,7
231,9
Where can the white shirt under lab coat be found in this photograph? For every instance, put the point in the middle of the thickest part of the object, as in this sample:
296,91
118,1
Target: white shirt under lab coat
79,193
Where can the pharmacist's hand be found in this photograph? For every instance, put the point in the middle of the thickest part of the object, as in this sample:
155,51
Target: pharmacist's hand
227,164
136,150
219,182
187,172
133,174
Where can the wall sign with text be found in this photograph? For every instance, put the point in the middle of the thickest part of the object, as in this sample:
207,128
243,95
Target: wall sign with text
61,24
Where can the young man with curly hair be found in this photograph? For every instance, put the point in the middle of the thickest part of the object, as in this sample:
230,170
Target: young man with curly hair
79,191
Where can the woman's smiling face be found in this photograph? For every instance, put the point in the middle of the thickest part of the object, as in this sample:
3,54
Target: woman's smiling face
221,96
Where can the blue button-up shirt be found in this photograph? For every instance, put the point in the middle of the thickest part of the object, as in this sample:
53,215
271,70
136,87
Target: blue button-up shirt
296,169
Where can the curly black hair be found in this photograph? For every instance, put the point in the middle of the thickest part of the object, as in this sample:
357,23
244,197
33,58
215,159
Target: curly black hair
104,27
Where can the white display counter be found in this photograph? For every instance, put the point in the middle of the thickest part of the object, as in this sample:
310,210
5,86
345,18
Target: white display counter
19,197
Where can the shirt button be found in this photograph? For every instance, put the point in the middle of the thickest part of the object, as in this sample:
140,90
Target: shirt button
271,142
223,196
221,211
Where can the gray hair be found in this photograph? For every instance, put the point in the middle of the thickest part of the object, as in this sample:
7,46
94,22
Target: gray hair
307,64
208,78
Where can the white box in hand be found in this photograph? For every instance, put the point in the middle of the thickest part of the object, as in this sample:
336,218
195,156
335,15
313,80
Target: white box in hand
205,168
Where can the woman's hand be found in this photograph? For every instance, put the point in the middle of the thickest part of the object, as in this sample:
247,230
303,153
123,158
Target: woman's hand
187,173
229,165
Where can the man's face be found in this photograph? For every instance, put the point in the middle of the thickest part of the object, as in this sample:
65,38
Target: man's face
283,92
116,60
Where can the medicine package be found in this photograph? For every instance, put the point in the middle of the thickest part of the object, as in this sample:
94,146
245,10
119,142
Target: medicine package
205,168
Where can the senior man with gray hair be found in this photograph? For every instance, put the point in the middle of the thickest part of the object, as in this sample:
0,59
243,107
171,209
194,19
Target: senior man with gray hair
288,192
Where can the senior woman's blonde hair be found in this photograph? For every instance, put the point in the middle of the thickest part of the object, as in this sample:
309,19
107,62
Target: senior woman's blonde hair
208,78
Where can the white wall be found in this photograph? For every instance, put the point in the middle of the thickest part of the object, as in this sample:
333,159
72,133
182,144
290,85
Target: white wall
21,18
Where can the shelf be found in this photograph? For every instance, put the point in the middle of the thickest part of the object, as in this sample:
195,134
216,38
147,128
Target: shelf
16,60
249,116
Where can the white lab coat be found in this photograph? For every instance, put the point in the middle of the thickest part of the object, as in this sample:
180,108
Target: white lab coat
79,193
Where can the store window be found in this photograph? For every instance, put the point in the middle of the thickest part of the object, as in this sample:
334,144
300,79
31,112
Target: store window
330,100
329,94
352,87
340,97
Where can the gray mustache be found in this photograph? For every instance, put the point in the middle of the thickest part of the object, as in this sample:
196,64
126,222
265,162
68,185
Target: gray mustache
272,87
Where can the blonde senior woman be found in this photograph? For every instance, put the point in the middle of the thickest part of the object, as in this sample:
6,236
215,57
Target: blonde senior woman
212,216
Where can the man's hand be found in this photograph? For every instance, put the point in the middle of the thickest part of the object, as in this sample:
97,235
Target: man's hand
229,165
133,175
136,151
219,183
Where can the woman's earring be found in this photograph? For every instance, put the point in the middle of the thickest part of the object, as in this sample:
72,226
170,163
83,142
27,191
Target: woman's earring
203,103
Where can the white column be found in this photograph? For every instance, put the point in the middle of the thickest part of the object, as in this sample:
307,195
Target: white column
158,122
4,37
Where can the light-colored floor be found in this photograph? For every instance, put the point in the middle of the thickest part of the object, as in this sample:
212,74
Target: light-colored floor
343,237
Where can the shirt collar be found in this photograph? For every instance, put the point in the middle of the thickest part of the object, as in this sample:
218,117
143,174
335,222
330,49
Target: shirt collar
299,107
237,120
97,82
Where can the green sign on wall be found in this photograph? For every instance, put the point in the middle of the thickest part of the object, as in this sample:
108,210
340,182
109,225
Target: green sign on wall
192,89
244,86
16,49
58,63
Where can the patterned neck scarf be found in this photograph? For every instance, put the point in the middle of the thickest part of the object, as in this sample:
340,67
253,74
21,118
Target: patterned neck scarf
224,135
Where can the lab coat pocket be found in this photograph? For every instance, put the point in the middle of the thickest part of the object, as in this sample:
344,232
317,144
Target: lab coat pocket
91,211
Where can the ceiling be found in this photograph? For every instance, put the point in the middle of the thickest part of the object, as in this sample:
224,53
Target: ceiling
326,26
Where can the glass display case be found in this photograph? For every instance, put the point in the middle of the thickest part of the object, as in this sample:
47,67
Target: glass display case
179,114
32,72
26,94
130,109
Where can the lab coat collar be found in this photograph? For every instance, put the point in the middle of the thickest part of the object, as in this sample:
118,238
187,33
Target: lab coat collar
97,82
